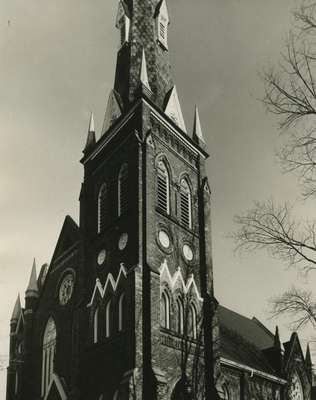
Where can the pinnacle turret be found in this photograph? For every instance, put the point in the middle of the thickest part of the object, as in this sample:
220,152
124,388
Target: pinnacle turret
197,130
277,342
308,358
16,310
143,72
32,289
91,135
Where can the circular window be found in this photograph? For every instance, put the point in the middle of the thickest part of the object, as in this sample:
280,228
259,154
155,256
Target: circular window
164,239
187,252
123,241
66,289
101,257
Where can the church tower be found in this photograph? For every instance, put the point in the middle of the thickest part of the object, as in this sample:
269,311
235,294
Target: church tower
125,308
145,219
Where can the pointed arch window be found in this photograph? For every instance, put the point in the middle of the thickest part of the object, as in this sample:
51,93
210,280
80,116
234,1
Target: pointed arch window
165,310
16,383
193,321
122,312
185,204
102,207
96,325
122,190
108,319
48,354
163,188
180,316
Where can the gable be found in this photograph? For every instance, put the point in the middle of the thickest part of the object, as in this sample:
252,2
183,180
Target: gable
112,113
69,235
173,109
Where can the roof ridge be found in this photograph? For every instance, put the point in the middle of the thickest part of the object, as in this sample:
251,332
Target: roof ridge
256,320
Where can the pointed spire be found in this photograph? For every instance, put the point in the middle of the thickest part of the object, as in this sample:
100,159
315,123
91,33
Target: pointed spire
308,358
91,135
143,72
32,289
277,342
197,130
16,310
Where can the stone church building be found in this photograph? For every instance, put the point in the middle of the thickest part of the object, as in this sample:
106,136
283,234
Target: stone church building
126,308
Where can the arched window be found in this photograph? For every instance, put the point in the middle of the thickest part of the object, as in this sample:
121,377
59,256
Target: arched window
122,192
165,311
122,312
180,316
108,319
185,204
193,321
95,325
48,354
16,383
102,207
163,190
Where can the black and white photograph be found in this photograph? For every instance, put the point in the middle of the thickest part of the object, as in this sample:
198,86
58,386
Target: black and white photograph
157,200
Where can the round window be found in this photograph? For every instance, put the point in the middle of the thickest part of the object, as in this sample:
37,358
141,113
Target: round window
187,252
123,241
164,239
101,257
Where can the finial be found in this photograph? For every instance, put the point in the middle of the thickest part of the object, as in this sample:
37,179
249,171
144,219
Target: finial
197,130
277,342
143,71
91,135
91,124
16,310
32,289
308,358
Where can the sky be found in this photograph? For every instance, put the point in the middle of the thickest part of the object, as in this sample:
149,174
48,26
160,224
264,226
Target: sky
57,62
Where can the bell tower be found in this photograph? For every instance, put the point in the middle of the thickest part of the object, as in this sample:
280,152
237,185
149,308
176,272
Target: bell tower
145,220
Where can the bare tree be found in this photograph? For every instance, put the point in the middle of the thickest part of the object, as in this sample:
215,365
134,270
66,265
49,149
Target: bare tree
290,94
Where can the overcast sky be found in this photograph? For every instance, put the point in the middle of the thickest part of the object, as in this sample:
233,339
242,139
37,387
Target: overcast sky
57,62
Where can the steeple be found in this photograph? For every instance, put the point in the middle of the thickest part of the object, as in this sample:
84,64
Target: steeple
16,310
32,289
143,25
91,135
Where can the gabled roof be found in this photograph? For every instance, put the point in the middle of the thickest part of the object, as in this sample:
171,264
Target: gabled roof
69,235
243,340
292,349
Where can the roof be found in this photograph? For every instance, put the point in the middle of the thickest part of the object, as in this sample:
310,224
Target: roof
243,340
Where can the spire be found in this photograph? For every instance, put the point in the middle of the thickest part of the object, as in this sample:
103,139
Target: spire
143,72
308,358
142,25
277,342
91,135
32,289
197,130
16,310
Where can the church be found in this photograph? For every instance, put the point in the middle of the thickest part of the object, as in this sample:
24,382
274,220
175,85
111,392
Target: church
126,308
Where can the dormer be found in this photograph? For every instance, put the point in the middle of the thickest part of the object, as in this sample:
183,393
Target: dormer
162,22
123,22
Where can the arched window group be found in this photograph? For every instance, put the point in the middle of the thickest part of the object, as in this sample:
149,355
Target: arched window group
185,316
104,195
164,195
48,354
112,319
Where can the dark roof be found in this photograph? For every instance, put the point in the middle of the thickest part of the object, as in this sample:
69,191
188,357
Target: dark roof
243,340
